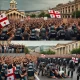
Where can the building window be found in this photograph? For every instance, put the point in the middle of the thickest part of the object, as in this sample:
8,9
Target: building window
12,6
76,45
72,46
76,9
69,9
72,8
63,10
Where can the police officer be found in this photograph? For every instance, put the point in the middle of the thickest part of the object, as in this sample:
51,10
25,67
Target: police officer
78,27
41,68
43,34
52,33
0,68
71,68
3,72
18,71
78,72
64,65
61,34
4,35
33,35
23,74
18,34
31,72
59,63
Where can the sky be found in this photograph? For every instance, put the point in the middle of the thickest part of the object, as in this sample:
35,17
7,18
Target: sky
39,43
29,5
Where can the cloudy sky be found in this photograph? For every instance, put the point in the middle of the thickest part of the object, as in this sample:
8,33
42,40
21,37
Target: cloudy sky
32,4
39,43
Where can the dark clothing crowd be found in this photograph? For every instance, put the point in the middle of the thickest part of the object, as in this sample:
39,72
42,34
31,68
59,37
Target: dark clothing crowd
17,70
40,29
11,48
58,68
26,69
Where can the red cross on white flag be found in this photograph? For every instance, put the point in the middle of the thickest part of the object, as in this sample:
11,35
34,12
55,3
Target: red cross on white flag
75,60
3,20
54,14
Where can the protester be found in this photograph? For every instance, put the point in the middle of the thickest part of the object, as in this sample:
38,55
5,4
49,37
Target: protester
23,30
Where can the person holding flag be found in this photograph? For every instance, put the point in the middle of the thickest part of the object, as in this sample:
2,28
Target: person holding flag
10,71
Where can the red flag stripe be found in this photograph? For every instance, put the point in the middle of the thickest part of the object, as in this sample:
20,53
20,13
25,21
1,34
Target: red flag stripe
1,26
3,19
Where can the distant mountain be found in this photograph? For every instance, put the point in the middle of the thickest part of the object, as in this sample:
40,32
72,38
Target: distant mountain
32,47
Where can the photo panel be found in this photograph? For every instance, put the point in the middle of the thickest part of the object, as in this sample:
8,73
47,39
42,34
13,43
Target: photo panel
43,56
40,20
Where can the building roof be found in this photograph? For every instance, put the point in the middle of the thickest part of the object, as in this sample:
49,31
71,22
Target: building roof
13,1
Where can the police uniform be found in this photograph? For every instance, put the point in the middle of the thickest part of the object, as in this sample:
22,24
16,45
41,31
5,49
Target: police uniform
30,73
71,68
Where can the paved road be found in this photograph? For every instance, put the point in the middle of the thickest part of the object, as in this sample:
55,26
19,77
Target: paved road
46,78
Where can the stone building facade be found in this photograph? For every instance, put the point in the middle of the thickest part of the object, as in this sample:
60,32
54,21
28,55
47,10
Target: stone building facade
68,8
66,48
13,12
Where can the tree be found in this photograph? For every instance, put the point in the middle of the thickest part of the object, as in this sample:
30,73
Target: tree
26,50
33,15
75,51
42,14
47,15
47,52
77,13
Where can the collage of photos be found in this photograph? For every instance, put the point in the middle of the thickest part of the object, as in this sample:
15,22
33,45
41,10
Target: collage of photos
39,39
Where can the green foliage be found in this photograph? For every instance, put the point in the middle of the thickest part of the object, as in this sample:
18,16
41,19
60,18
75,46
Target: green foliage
26,50
77,14
42,14
47,15
75,51
47,52
33,15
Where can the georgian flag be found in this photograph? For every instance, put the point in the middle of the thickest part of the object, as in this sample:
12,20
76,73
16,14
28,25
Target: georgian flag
54,14
10,74
75,60
3,20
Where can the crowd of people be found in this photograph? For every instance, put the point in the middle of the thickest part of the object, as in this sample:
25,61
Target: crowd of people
11,48
18,66
58,67
25,68
40,29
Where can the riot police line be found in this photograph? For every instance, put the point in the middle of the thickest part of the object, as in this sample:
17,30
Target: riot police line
50,33
18,71
58,67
